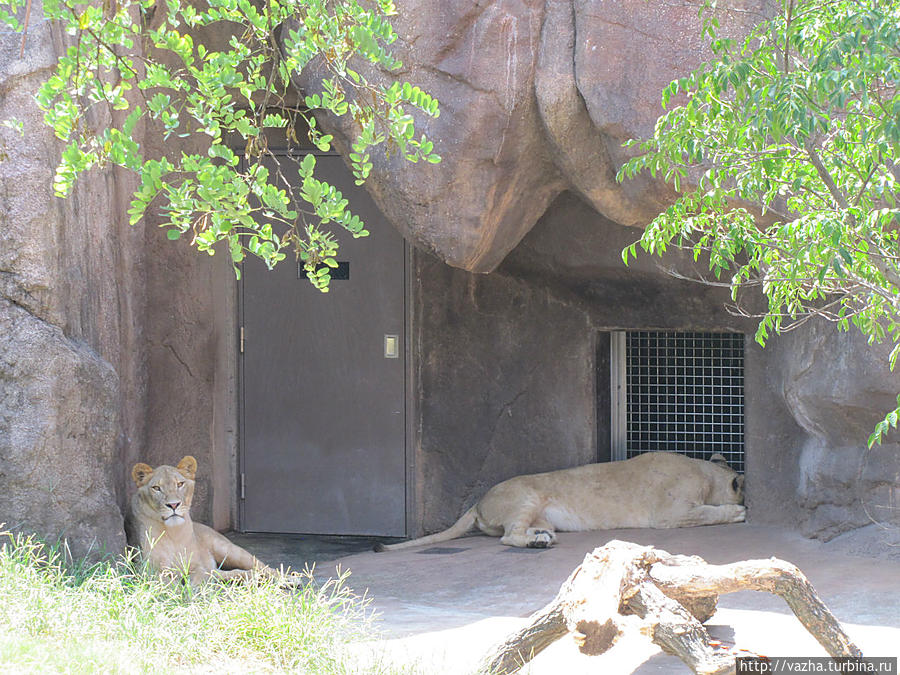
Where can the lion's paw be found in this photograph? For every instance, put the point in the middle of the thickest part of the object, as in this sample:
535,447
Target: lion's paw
540,539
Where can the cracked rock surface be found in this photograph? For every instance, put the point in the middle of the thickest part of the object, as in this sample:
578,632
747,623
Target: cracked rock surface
65,329
838,387
59,425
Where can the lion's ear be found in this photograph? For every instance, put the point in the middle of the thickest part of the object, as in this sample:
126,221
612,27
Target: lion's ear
141,473
719,459
188,467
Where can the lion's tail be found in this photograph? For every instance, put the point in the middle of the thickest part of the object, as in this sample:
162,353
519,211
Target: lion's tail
458,529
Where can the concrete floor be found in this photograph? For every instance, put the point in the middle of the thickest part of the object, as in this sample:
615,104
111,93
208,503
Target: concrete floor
442,608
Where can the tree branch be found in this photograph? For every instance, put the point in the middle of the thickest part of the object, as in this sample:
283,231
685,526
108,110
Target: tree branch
826,177
773,576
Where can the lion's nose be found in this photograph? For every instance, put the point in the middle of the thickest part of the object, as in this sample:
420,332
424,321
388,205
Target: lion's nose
173,505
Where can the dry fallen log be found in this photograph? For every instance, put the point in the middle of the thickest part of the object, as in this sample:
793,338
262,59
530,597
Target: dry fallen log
589,606
623,586
593,590
773,576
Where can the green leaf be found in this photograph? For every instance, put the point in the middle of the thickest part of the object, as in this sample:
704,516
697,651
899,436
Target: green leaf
307,165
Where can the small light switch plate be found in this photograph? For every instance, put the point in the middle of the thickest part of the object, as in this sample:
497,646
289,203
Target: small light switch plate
391,346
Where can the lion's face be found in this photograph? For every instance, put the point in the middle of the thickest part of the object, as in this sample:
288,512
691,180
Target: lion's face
728,488
166,492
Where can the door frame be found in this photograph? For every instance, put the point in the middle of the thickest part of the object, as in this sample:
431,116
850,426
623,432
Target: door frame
411,403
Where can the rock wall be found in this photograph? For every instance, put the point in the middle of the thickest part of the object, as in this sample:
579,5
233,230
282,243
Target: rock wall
503,385
70,300
190,394
190,338
838,387
536,98
116,345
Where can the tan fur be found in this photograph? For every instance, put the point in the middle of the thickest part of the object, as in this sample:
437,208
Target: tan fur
656,489
161,525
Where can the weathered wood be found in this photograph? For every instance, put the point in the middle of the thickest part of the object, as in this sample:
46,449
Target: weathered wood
669,597
544,628
701,606
677,631
774,576
587,604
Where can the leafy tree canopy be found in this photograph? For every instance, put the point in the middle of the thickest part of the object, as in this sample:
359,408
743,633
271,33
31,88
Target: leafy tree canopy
785,151
145,62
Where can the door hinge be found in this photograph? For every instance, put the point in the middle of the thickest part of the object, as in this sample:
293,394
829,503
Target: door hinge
242,485
242,339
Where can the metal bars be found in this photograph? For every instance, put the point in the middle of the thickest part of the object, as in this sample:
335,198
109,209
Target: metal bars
684,392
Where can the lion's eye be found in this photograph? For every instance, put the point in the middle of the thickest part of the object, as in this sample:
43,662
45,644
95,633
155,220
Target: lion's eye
157,488
181,483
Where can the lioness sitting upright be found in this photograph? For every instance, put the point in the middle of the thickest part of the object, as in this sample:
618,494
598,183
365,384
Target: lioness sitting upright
160,520
656,489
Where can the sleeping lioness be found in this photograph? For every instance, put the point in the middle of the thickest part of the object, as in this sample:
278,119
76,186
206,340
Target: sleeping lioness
656,489
160,520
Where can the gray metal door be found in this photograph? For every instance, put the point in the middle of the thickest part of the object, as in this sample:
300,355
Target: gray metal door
323,387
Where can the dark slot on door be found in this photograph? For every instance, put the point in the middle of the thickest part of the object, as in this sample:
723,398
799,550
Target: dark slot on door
339,273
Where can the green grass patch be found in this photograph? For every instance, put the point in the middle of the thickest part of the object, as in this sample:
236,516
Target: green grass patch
59,615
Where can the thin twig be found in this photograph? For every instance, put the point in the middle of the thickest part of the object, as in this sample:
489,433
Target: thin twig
25,29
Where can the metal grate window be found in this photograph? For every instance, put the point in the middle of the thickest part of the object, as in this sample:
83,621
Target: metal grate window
684,392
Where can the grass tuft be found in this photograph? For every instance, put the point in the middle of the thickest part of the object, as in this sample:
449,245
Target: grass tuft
71,616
